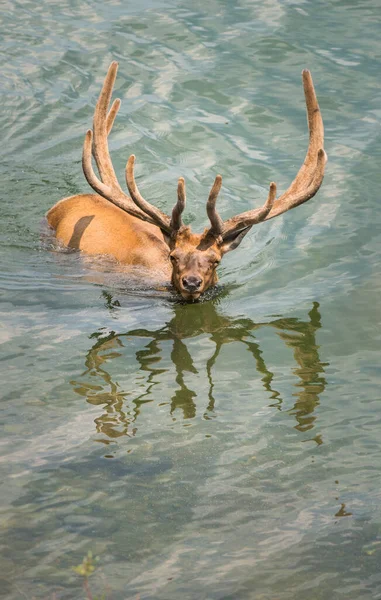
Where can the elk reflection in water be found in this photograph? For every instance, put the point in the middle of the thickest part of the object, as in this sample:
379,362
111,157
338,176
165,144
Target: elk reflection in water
123,407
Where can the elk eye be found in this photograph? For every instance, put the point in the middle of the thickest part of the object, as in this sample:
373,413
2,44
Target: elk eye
173,258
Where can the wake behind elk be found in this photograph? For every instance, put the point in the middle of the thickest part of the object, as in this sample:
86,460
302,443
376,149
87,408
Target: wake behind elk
136,233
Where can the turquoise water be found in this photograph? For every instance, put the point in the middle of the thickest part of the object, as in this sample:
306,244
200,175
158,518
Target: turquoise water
228,449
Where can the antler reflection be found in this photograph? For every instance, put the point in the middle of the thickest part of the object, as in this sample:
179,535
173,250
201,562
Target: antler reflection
122,407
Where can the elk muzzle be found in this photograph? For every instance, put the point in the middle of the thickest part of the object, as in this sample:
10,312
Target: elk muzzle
191,283
191,287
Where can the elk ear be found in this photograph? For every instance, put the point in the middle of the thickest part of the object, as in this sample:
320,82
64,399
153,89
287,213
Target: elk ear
167,238
233,240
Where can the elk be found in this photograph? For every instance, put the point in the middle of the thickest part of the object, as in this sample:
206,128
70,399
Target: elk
136,233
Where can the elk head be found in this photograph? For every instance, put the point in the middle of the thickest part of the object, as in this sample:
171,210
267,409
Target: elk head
195,257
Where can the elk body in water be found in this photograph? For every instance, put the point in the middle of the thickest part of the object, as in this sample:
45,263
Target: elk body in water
137,233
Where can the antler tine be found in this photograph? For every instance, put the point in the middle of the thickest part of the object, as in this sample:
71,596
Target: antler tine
176,221
114,195
101,128
311,173
159,217
246,220
112,114
214,218
288,201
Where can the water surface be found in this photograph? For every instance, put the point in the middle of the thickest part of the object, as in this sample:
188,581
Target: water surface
227,449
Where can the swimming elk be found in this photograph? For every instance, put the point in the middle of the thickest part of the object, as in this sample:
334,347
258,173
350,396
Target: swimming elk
135,232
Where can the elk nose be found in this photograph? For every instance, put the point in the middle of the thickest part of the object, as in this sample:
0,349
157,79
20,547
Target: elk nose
191,283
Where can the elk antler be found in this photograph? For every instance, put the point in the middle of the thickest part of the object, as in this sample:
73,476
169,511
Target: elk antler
176,222
305,185
96,142
157,216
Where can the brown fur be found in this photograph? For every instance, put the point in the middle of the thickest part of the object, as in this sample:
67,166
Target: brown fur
90,223
136,233
194,255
